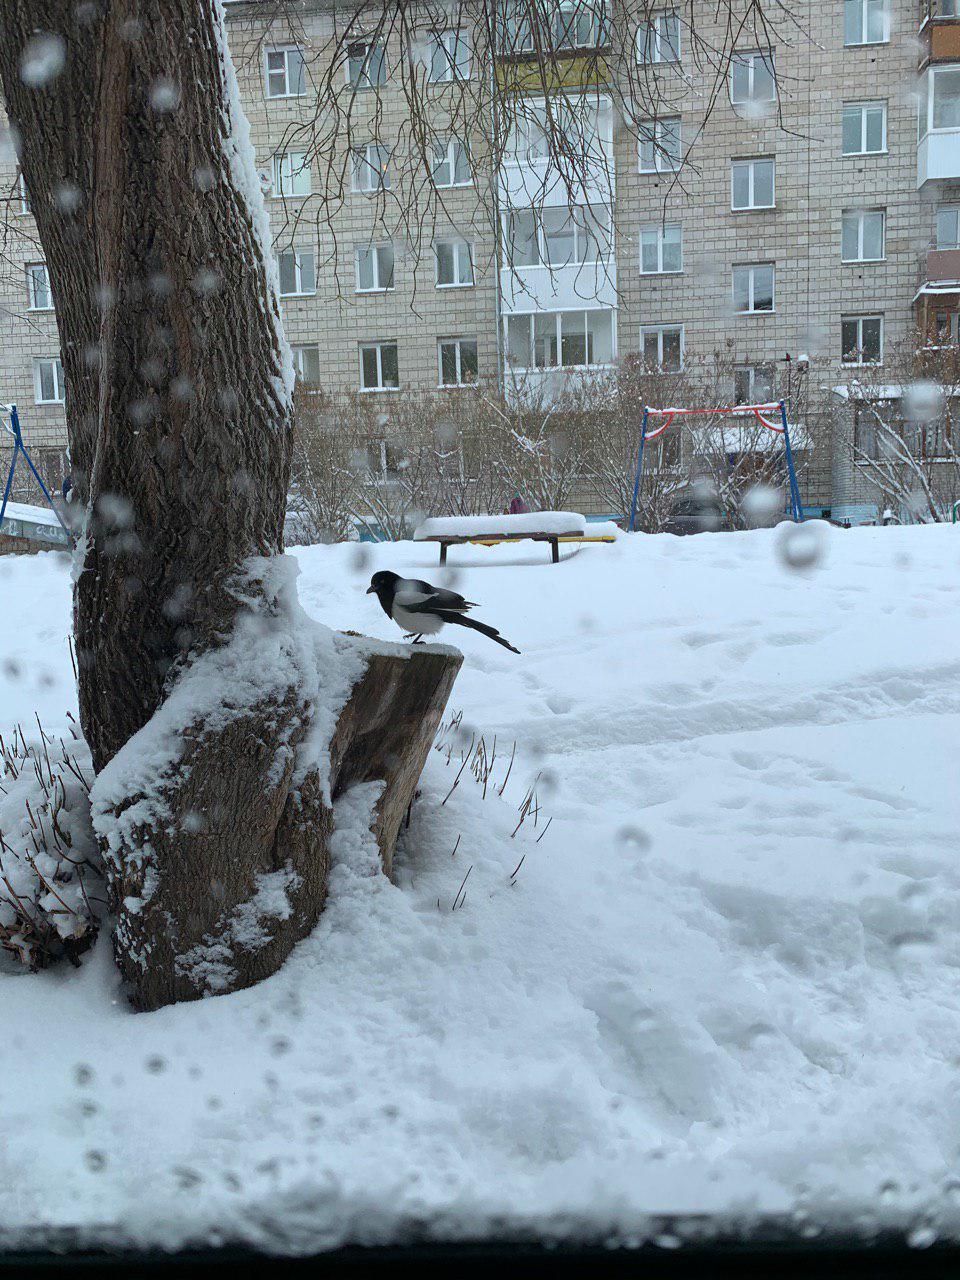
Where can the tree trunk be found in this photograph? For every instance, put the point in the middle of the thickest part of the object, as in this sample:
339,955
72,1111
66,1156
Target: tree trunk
179,381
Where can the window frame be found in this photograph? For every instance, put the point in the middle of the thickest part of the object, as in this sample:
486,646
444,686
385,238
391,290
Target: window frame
863,7
752,267
384,181
861,215
298,255
769,58
580,215
457,344
750,163
358,86
751,369
29,269
298,349
926,125
954,209
286,50
449,160
281,163
863,107
24,209
660,228
859,321
375,249
531,316
457,243
660,154
646,330
460,36
378,345
652,35
58,379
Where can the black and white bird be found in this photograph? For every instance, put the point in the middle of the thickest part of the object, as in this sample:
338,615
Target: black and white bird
421,609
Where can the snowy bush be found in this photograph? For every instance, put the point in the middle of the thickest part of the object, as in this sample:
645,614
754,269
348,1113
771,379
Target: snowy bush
51,889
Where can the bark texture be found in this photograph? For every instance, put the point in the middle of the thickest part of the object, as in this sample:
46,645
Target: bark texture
237,872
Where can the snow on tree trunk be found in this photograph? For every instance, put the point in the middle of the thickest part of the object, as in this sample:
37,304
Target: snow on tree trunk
208,700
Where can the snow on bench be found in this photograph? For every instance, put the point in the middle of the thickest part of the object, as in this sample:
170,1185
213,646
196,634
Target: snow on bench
541,526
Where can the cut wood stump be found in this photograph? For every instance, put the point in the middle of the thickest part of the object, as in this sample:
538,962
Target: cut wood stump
215,913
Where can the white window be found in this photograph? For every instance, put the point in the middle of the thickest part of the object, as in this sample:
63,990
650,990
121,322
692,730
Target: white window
24,198
451,164
753,287
379,366
861,238
291,174
865,22
948,226
38,287
861,339
940,103
454,263
306,362
285,72
48,381
753,81
370,168
753,384
449,57
662,346
752,184
560,339
580,123
579,24
557,236
366,64
661,248
864,128
457,360
659,39
298,272
660,145
374,268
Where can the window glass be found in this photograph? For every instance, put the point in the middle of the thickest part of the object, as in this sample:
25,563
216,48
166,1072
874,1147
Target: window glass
946,98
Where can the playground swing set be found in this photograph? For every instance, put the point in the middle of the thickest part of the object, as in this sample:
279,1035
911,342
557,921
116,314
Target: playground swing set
763,414
13,428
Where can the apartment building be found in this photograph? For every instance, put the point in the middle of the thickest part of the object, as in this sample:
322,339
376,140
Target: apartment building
796,217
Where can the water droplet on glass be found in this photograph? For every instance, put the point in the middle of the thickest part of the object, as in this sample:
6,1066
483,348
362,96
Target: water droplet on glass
42,60
800,548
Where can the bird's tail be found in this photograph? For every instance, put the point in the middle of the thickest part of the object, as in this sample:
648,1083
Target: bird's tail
461,621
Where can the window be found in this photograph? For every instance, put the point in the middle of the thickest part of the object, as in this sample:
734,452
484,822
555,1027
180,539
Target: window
560,339
306,362
285,72
865,22
48,381
753,287
864,128
379,366
579,24
374,268
753,384
659,39
661,346
24,198
298,273
948,226
584,120
366,64
557,236
861,339
661,248
451,164
457,358
940,107
291,174
753,81
862,237
449,57
38,287
947,327
370,168
454,263
752,184
660,146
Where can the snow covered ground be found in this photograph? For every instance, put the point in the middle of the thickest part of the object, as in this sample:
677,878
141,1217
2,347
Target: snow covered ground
726,978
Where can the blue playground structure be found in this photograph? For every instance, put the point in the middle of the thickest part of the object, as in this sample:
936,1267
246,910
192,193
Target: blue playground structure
19,447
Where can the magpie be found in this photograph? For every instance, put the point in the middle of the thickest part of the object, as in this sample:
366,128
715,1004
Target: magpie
421,610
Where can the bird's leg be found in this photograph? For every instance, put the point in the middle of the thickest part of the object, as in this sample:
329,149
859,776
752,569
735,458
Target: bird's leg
418,639
408,635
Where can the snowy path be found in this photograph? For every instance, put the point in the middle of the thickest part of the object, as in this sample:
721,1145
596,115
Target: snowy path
726,976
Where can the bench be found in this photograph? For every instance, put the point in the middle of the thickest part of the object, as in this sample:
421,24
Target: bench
543,526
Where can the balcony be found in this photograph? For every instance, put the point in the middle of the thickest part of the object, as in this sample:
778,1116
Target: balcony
939,32
938,151
938,296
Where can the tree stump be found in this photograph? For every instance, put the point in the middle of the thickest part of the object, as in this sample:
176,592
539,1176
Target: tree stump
214,896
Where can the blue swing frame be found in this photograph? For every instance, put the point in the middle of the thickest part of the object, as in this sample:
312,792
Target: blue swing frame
18,448
796,502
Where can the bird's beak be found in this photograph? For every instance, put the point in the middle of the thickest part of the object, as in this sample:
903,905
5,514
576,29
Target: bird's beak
369,591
